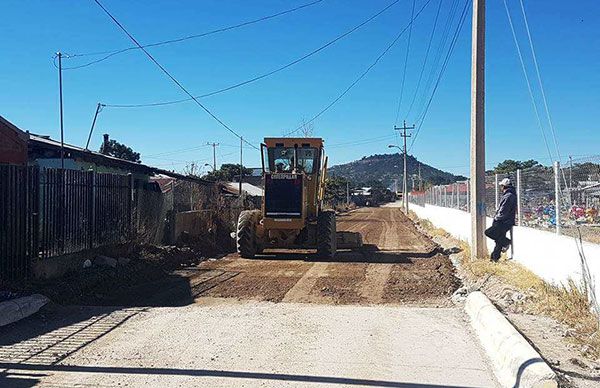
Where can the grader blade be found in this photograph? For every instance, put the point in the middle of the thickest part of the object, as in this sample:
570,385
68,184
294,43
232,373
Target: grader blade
349,240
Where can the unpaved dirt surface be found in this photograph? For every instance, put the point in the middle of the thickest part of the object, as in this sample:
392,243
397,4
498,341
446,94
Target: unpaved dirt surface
386,229
398,265
253,344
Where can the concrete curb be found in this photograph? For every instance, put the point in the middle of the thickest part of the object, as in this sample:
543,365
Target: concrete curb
16,309
516,363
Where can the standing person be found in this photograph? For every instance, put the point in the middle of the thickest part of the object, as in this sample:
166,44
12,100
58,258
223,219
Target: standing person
504,219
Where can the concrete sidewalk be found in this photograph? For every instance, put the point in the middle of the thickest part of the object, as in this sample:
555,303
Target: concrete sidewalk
259,344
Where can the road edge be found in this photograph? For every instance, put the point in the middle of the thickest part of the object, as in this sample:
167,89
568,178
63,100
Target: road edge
515,362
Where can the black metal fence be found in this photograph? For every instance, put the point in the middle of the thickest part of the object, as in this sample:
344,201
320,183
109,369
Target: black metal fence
19,204
83,210
52,212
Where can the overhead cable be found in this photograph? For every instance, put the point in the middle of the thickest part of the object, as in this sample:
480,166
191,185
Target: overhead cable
412,15
173,79
459,26
437,14
111,53
363,74
527,81
265,75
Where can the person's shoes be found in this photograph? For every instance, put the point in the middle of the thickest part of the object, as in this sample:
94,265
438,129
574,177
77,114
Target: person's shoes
505,248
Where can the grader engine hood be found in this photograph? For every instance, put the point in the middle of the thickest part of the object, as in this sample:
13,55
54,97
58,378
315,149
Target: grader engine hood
283,195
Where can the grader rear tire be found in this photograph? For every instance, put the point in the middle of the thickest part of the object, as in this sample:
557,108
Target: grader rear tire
326,235
246,240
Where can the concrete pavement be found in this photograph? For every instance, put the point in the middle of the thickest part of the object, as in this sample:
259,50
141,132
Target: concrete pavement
222,343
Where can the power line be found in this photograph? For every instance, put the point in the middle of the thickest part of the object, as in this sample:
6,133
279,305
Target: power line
537,115
360,142
438,55
412,15
437,14
265,75
539,78
177,151
364,73
169,74
421,119
111,53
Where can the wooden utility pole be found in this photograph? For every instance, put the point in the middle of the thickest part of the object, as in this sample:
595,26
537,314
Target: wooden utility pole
214,146
60,103
404,178
478,243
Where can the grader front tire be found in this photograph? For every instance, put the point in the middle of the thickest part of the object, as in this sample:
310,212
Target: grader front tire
247,245
326,235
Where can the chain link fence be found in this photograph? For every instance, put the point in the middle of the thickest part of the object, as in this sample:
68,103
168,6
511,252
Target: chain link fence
576,185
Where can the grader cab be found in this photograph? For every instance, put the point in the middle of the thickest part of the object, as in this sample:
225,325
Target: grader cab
292,214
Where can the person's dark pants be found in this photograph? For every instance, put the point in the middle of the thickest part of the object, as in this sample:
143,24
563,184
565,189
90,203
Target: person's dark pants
497,232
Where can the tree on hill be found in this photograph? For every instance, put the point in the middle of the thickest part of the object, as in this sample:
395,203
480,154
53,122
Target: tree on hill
335,189
227,173
119,150
385,168
510,165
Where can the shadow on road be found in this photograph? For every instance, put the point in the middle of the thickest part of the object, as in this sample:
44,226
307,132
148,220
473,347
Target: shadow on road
369,253
345,381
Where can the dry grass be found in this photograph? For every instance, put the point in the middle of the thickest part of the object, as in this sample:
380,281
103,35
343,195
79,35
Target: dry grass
568,303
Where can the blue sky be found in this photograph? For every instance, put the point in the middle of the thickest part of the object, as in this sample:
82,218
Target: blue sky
566,38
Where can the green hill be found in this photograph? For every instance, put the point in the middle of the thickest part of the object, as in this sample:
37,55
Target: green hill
387,167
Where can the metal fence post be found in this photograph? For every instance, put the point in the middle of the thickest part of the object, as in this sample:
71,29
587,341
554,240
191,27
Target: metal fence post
496,191
90,208
457,185
130,183
445,195
557,195
469,195
519,199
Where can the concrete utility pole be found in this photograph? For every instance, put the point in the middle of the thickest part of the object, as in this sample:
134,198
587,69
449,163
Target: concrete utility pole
404,178
241,163
214,146
347,193
420,181
478,246
98,110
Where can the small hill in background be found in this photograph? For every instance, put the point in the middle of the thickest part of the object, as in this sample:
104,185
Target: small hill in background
387,167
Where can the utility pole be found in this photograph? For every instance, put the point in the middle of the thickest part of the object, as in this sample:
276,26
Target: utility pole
214,146
347,193
420,181
404,178
241,163
98,110
570,173
478,246
60,104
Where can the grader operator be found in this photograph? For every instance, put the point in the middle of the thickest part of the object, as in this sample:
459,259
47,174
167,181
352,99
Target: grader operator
292,214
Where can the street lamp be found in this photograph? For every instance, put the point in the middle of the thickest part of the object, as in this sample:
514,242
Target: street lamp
404,187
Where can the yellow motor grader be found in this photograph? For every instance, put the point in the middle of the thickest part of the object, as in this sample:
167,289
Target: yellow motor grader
292,214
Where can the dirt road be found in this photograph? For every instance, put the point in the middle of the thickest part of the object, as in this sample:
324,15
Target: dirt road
386,229
398,265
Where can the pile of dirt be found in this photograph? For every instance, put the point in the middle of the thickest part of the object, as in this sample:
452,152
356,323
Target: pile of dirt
102,282
422,279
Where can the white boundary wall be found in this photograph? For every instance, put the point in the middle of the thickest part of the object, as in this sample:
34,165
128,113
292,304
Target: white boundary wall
552,257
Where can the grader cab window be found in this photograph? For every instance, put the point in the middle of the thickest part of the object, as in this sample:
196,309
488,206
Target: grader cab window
283,159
